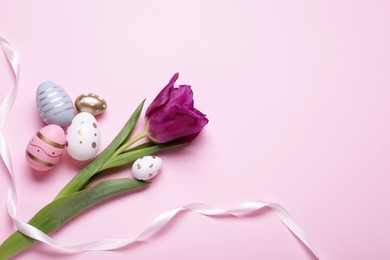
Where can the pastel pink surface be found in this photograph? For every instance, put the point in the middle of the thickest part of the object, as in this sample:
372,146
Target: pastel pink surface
297,93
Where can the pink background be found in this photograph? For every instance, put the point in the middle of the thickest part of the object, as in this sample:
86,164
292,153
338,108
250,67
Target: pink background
297,93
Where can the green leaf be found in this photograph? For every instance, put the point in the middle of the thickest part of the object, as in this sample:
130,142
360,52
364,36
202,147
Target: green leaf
84,175
141,146
60,211
131,155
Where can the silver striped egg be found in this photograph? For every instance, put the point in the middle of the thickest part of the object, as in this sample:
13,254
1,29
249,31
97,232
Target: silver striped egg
54,104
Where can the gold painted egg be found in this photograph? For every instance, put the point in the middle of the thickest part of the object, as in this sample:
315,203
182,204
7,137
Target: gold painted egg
90,103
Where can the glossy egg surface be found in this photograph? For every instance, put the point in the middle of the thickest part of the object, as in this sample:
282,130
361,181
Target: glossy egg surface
82,137
46,148
146,167
90,103
54,104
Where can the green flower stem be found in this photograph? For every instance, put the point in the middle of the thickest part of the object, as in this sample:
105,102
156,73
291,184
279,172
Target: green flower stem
64,208
74,198
130,156
82,178
60,211
129,143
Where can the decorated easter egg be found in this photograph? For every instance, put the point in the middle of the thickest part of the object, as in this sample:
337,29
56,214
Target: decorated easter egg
146,167
46,148
90,103
54,104
82,137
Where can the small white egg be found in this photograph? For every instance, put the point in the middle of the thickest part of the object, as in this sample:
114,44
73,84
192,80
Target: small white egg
82,137
146,167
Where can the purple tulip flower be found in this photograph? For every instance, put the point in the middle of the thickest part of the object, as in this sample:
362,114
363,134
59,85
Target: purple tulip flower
172,116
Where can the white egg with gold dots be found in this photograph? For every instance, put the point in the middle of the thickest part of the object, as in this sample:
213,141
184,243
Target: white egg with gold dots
146,167
82,137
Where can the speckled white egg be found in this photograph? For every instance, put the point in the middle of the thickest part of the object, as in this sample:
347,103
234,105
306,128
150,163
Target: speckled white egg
146,167
82,137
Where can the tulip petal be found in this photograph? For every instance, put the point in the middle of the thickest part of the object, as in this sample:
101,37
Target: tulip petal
182,96
175,122
163,97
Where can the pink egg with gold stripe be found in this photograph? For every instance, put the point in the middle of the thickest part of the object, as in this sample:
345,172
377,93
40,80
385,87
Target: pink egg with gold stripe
46,148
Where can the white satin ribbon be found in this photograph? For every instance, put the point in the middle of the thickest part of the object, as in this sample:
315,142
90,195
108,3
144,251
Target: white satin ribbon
156,225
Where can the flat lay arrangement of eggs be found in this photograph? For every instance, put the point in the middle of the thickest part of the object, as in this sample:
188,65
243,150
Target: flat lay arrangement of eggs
81,138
